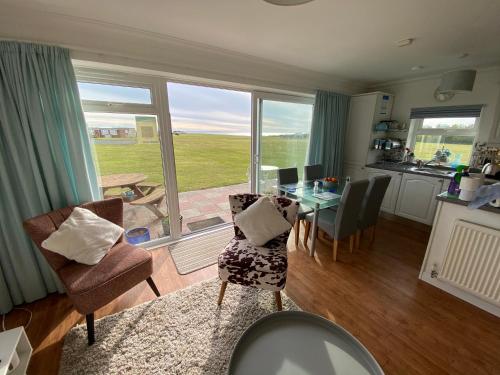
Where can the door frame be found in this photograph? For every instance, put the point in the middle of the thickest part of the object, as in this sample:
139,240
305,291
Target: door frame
257,99
159,107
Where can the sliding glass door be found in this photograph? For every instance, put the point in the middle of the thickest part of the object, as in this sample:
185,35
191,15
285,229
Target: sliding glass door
212,148
174,151
283,126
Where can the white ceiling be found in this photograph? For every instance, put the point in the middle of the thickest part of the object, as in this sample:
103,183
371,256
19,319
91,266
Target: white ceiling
353,39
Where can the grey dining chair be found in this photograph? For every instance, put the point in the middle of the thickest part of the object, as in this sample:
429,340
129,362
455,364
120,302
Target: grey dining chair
290,176
343,222
313,172
370,208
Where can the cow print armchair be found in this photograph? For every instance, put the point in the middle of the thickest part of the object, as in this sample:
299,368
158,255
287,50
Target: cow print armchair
263,267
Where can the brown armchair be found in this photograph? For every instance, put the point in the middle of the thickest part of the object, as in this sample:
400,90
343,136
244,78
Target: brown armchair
91,287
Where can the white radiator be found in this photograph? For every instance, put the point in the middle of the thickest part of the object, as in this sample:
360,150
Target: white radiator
472,261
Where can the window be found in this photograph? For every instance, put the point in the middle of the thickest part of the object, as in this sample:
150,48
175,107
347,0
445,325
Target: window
113,93
434,129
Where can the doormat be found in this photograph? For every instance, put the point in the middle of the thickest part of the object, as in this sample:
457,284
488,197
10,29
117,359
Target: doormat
206,223
201,251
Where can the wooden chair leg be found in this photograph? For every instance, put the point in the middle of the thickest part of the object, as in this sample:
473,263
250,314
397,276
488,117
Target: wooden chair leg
358,238
372,234
277,296
351,243
90,328
306,232
335,248
152,285
297,230
221,292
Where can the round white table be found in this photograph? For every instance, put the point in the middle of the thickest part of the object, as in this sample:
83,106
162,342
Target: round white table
300,343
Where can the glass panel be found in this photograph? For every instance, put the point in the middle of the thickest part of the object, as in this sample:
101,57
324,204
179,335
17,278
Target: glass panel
285,130
114,93
449,123
212,146
128,156
458,147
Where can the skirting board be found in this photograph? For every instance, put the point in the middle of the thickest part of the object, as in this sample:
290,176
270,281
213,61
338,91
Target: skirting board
483,305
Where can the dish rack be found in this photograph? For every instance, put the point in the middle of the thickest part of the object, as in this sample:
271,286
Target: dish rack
484,153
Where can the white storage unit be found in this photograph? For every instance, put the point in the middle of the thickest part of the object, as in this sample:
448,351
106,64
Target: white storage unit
391,195
417,197
15,349
365,111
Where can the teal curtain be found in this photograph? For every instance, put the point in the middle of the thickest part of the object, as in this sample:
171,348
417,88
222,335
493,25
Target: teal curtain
326,144
45,160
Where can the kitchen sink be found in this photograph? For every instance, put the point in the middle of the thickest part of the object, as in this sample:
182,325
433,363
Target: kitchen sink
432,171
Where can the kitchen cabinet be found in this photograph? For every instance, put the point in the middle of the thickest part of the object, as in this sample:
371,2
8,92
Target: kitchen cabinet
365,110
417,197
355,171
391,195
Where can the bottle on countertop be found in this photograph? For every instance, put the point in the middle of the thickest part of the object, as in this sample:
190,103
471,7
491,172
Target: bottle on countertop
454,186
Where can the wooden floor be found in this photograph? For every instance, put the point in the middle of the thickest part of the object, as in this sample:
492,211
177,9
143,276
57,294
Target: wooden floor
409,326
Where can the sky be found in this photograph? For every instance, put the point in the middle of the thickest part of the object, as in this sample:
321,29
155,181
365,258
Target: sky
445,123
201,109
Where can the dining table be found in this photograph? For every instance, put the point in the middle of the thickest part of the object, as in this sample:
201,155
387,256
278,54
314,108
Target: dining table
123,180
318,199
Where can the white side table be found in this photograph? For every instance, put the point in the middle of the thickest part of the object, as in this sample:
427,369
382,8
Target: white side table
14,341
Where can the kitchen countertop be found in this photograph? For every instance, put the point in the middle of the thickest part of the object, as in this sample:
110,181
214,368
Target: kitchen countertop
445,197
430,171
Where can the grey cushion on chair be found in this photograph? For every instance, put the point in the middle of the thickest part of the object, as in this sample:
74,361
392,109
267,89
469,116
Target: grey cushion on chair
372,201
287,176
343,222
313,172
290,176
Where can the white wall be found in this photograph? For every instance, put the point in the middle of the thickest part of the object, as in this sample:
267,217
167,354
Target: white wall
113,44
419,93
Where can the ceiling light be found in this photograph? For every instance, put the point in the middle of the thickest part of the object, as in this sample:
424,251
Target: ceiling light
288,2
405,42
463,55
417,67
455,82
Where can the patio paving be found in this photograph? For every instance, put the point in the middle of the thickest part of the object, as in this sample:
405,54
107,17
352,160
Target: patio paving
194,206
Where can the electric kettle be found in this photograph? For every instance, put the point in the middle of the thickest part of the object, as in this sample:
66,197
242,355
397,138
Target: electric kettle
491,169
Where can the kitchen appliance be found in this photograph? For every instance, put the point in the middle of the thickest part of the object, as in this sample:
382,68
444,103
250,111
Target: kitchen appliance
391,144
491,169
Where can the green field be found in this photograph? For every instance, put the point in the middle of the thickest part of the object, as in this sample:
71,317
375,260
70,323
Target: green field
425,151
202,160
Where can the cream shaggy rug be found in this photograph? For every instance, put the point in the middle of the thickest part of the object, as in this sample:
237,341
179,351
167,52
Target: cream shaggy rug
180,333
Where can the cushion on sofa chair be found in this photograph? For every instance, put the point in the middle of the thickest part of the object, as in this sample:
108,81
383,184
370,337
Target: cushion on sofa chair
111,277
83,237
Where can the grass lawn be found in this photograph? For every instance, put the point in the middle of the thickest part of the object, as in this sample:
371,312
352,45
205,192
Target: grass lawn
202,160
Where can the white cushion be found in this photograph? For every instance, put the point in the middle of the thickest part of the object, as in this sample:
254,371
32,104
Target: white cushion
83,237
261,222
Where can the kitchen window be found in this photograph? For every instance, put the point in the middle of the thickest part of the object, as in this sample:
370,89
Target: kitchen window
449,131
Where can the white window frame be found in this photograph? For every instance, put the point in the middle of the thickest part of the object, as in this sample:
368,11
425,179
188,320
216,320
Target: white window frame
257,99
416,128
159,107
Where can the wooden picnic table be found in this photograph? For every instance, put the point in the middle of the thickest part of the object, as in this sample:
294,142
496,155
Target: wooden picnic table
124,180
